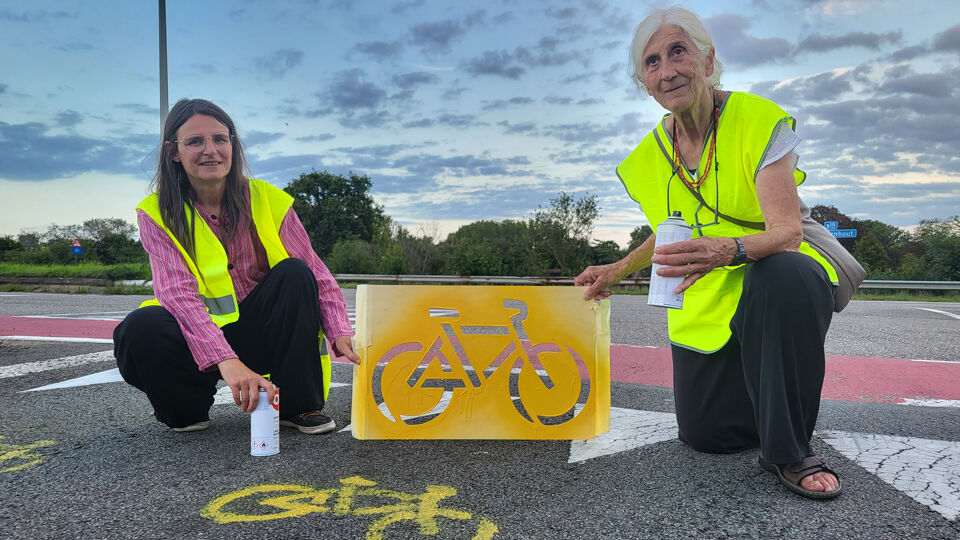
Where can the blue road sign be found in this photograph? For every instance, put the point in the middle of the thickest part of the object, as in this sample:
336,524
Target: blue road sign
843,233
76,250
830,225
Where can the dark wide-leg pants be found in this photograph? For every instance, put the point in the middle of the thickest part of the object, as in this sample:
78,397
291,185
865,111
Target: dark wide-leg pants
276,334
763,387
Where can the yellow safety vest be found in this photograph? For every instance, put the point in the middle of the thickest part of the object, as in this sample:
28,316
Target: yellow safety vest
747,123
268,206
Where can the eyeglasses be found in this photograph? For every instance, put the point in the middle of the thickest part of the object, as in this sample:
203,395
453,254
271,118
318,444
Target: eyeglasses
198,143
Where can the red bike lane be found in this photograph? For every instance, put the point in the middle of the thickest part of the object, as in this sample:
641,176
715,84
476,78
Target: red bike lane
848,378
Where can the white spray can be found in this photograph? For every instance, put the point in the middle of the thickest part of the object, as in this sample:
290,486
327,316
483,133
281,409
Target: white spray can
674,229
265,425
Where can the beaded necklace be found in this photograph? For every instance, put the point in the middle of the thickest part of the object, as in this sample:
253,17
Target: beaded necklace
678,169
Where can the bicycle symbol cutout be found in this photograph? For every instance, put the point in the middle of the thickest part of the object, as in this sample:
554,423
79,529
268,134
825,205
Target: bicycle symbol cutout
544,381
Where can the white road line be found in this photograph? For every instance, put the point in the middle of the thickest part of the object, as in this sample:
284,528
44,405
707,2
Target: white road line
53,338
926,470
947,313
629,429
928,402
18,370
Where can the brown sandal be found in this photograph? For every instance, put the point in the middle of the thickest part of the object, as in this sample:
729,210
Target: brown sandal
791,475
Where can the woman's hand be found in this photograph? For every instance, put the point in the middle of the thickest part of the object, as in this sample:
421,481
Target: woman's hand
598,277
244,383
693,258
343,346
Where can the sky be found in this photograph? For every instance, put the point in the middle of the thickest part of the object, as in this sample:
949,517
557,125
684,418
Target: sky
461,111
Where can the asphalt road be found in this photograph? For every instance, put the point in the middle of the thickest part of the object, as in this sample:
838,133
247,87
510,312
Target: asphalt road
91,461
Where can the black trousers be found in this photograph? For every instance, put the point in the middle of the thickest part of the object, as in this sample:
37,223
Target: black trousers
761,389
276,334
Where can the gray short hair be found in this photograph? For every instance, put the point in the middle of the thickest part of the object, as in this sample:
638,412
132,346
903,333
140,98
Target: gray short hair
688,22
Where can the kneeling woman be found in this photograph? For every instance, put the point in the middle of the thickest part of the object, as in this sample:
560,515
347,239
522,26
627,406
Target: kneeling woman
239,290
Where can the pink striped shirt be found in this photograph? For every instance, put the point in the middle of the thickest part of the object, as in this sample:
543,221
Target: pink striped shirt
176,287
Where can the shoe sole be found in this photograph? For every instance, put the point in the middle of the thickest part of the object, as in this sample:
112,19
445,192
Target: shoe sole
311,430
199,426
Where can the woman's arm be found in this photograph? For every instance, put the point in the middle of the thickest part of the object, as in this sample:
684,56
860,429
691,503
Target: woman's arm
777,195
176,288
333,309
598,277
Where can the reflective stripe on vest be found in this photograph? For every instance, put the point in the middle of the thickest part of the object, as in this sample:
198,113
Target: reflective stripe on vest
746,126
268,206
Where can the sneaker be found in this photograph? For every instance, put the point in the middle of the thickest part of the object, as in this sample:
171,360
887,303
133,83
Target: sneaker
311,422
199,426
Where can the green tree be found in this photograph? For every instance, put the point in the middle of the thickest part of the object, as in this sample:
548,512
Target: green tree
116,248
7,243
502,248
352,257
870,253
941,242
638,236
334,208
99,228
605,252
563,230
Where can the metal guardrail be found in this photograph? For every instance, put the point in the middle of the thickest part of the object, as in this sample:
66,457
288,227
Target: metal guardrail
491,280
546,280
919,285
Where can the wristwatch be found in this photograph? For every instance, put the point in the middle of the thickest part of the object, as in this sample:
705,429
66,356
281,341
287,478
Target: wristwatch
741,256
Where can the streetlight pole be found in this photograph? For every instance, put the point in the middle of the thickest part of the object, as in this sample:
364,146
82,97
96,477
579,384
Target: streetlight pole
164,102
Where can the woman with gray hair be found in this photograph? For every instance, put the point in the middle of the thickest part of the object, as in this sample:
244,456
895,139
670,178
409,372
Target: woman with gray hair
748,343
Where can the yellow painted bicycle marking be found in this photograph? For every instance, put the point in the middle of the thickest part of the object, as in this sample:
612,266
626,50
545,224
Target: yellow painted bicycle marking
10,452
292,500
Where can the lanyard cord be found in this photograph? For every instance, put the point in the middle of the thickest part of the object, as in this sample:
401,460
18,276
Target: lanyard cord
695,183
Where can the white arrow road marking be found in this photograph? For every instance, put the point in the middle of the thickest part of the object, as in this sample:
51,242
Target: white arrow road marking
947,313
18,370
926,470
108,376
629,429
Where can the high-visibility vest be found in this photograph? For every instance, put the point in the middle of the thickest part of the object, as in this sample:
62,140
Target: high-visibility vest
268,206
747,123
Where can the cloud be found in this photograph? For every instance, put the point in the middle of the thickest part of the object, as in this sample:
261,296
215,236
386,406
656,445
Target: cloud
909,53
256,138
379,50
278,63
32,154
404,6
350,91
34,16
3,88
456,120
829,85
627,124
736,48
504,103
140,108
412,80
493,63
436,36
504,17
565,13
869,40
526,128
923,84
948,40
545,54
317,138
76,46
422,123
68,118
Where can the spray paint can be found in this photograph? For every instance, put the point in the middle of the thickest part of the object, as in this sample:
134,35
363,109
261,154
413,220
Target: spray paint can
674,229
265,425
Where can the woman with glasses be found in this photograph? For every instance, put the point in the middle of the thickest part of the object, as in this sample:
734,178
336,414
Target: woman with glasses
239,290
747,345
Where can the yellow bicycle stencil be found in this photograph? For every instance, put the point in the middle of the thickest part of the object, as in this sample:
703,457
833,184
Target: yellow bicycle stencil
281,501
20,452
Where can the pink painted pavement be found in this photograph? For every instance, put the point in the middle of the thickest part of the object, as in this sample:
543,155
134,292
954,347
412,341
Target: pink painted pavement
848,378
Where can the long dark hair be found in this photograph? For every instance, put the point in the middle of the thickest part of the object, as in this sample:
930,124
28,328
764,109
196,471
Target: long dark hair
173,188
